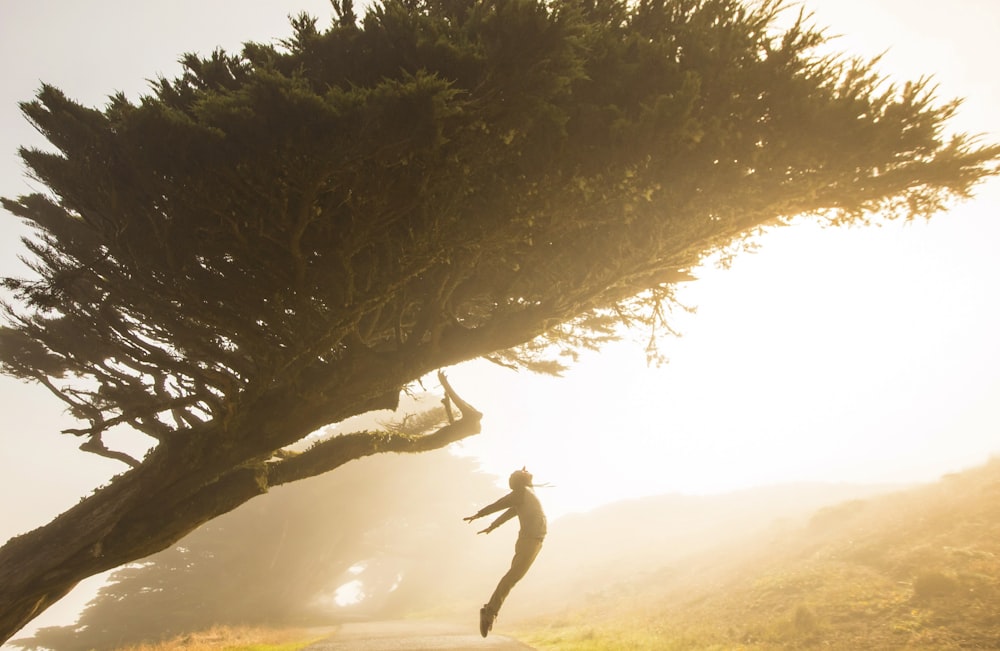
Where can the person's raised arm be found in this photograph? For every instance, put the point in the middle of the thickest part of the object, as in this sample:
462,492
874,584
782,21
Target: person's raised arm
505,502
506,515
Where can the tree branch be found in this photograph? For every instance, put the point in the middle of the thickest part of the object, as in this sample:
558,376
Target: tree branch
468,411
96,445
334,452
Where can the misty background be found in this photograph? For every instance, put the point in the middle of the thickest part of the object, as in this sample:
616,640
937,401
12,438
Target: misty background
861,356
383,538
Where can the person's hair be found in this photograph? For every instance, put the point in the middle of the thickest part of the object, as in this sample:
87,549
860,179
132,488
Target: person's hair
520,479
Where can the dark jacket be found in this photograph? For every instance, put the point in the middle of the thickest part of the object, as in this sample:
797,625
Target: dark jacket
525,505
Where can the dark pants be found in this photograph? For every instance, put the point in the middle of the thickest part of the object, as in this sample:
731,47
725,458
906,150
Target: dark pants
525,551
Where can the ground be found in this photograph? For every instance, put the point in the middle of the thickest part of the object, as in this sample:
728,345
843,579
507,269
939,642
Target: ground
414,636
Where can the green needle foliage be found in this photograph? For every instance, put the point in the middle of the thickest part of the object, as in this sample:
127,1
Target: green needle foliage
284,238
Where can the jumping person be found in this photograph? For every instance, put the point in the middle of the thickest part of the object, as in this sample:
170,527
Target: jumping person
522,502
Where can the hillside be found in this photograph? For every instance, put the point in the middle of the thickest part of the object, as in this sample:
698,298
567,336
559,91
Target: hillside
625,541
914,569
826,566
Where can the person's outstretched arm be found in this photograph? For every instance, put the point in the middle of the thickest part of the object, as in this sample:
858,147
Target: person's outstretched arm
506,515
505,502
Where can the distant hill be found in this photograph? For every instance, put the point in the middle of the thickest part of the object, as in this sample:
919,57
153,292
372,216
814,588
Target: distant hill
625,541
913,569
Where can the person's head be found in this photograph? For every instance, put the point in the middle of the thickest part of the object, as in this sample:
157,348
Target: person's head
520,479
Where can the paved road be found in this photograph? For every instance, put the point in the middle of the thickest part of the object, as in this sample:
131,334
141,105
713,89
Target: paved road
414,636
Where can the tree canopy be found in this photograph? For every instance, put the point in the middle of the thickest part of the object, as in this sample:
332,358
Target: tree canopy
283,238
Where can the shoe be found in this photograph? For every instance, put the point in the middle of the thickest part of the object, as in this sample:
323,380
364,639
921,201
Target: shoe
486,619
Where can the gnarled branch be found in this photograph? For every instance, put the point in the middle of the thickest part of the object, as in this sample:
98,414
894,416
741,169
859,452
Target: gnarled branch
96,445
336,451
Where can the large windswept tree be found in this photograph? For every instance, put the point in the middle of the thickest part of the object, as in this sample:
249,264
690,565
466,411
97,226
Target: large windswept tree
278,560
284,238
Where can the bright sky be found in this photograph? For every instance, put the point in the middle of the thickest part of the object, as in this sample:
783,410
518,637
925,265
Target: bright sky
859,355
846,355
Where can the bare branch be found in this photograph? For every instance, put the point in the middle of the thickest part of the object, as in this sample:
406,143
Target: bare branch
96,445
468,411
331,453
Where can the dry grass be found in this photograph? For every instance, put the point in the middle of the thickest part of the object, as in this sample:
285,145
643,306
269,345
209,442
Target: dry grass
227,638
918,571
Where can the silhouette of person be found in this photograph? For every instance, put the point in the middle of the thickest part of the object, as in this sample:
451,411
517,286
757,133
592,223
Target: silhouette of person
522,502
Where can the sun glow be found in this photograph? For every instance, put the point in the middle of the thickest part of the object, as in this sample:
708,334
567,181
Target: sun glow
828,355
349,594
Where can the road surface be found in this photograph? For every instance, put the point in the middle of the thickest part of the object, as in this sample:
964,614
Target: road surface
414,636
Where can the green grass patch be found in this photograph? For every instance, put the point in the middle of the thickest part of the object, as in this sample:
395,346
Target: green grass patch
234,638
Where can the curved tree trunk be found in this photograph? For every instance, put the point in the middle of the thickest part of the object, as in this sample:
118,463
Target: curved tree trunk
116,525
153,506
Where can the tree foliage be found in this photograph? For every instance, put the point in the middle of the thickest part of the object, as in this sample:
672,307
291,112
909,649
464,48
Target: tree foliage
284,238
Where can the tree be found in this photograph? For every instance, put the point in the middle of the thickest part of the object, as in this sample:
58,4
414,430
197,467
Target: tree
285,238
277,560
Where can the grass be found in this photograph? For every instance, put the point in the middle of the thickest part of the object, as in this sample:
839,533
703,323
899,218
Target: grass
634,631
918,570
228,638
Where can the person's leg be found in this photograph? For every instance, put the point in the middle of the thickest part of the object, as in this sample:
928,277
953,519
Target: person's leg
525,552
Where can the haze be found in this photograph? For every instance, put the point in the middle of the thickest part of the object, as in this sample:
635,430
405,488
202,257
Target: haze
864,355
851,564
